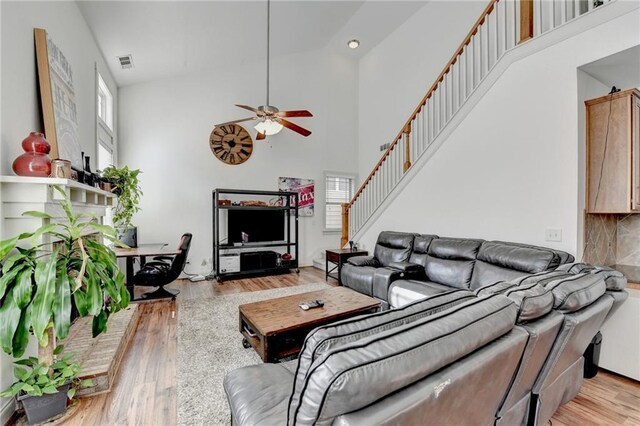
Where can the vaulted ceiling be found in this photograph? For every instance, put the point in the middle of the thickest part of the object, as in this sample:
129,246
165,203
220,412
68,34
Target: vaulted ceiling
177,37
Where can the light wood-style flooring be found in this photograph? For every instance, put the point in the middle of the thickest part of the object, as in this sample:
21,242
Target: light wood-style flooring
145,389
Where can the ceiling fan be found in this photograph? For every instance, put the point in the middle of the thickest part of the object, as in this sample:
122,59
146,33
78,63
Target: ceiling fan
272,120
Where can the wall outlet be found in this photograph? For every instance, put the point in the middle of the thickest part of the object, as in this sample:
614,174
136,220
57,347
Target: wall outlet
553,235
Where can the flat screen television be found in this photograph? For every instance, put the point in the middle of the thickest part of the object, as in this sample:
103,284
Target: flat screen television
259,226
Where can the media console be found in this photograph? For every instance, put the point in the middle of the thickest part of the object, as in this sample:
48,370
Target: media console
243,228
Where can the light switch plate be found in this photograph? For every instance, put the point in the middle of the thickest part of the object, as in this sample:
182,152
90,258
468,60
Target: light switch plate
553,235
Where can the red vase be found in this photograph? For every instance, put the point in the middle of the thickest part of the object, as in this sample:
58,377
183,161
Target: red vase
35,161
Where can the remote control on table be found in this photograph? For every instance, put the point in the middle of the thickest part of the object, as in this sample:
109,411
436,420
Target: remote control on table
305,306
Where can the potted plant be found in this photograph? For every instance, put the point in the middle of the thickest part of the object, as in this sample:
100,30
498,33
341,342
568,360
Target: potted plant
44,390
38,284
125,184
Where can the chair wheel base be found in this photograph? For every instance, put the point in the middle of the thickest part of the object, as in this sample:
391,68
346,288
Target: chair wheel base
160,293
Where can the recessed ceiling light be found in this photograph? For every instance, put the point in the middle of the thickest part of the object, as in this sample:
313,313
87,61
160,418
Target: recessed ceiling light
353,44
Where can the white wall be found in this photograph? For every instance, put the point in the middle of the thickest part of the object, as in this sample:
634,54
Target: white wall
21,111
510,170
165,127
395,75
19,105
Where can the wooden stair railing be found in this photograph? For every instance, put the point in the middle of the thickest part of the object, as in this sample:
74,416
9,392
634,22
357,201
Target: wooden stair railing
503,25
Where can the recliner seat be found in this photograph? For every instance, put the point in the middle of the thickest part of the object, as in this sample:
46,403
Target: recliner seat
371,275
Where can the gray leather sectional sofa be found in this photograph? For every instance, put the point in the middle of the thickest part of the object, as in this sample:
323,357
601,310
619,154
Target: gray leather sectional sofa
479,333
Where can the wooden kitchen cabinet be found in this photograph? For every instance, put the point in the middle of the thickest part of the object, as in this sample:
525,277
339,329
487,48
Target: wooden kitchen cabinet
613,153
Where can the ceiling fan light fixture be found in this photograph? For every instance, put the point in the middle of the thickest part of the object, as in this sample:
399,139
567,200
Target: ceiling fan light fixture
268,127
353,44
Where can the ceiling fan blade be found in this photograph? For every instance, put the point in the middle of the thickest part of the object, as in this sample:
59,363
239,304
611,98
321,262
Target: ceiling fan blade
248,107
236,121
296,113
294,127
260,136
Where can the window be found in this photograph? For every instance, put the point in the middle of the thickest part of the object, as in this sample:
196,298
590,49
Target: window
105,108
105,103
338,190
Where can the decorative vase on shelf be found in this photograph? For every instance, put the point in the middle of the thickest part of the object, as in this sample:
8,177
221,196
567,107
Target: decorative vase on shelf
35,161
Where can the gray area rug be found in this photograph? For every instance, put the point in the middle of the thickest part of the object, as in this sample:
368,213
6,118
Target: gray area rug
209,346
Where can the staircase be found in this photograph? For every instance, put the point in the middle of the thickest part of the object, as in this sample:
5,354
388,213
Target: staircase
503,26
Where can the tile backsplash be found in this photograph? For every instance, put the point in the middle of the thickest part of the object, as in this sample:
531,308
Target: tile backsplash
628,244
600,239
612,239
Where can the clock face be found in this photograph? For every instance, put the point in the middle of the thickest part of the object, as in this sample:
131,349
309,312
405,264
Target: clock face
231,144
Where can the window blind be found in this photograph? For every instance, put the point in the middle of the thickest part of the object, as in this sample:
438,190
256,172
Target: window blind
338,190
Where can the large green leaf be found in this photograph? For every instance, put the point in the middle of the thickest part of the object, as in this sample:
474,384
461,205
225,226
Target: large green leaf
80,297
44,229
9,278
7,245
23,288
105,229
99,323
62,306
41,307
8,264
39,215
94,292
21,335
9,319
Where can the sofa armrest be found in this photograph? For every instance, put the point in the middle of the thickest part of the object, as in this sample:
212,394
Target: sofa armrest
382,280
363,261
406,266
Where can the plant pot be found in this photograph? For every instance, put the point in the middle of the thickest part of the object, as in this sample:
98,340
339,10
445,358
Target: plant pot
128,236
41,408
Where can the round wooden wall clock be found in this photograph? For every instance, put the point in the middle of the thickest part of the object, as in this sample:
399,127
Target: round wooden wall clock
231,144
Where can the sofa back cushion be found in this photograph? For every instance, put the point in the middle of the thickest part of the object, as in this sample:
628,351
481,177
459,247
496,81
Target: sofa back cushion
393,247
450,261
533,300
500,261
328,337
420,251
354,375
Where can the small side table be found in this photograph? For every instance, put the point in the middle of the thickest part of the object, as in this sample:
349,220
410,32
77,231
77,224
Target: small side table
337,258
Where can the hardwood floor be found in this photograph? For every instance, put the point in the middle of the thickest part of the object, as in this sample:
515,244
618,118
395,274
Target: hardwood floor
144,392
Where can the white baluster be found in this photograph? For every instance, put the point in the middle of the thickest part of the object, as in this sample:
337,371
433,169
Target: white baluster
496,32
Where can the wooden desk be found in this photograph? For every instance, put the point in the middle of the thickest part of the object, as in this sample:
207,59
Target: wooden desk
338,257
141,252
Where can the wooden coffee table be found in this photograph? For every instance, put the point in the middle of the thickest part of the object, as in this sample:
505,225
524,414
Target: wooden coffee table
276,328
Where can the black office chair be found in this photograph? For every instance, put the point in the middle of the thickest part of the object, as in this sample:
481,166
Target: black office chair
160,273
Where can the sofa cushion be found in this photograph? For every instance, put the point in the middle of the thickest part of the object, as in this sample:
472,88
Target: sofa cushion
576,292
421,248
615,280
450,261
533,300
499,260
363,261
358,278
258,394
403,292
393,247
391,360
328,337
486,273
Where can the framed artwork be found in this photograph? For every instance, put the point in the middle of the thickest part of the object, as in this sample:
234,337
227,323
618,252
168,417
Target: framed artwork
58,100
305,190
